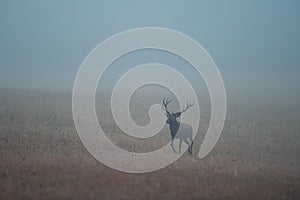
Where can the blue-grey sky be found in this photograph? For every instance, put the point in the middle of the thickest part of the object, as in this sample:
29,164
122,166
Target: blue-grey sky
44,42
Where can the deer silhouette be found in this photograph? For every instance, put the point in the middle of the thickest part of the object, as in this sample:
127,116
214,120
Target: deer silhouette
181,131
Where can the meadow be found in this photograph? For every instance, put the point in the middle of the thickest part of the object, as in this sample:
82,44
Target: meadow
42,157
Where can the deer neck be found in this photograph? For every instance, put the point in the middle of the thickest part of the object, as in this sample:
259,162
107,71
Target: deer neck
174,128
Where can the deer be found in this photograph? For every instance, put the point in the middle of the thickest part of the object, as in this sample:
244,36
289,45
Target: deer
178,130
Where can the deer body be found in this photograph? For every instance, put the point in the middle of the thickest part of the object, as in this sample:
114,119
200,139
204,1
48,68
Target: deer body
181,131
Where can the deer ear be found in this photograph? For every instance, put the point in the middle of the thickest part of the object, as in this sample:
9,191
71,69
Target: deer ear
177,114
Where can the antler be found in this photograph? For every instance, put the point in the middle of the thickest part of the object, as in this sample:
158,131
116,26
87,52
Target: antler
165,105
187,107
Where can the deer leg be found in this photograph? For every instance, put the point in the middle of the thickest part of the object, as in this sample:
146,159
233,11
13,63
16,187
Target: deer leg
173,147
189,145
180,142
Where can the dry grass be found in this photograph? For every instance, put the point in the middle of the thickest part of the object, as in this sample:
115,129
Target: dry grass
41,156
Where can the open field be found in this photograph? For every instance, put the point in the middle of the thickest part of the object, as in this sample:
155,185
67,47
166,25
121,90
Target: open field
42,157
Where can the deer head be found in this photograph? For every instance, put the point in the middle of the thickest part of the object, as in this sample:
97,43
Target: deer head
171,116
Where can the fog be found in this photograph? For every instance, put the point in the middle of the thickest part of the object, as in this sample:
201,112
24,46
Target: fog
255,46
44,44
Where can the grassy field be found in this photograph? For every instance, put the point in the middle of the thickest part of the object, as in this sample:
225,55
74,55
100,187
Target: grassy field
42,157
